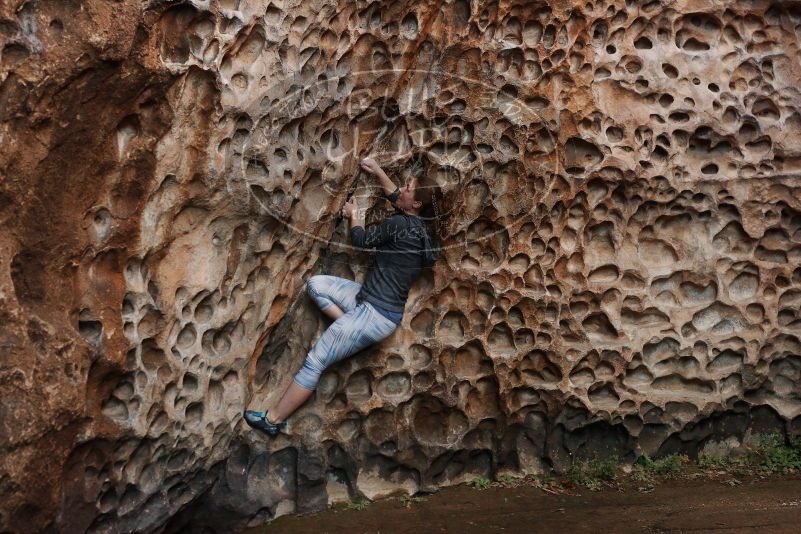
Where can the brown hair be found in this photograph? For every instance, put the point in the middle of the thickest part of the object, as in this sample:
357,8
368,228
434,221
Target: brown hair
430,194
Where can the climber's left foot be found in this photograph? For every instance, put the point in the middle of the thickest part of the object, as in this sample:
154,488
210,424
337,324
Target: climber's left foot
259,420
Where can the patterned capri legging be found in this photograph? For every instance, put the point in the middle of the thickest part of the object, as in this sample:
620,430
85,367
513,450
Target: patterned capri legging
360,325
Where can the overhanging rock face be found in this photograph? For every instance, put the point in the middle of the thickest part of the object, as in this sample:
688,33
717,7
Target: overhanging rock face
621,272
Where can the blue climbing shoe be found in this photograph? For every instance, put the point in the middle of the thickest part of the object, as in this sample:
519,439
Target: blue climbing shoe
259,420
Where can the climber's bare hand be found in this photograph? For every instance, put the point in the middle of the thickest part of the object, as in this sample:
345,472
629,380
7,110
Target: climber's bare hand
370,165
350,208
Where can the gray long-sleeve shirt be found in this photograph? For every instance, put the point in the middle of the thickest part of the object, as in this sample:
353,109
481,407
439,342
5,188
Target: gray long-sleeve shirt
398,261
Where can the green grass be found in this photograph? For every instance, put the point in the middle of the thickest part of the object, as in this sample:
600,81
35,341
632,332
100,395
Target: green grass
772,454
508,480
592,474
481,483
776,456
646,468
359,505
408,500
720,462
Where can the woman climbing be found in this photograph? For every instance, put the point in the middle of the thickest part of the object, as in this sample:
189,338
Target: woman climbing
365,313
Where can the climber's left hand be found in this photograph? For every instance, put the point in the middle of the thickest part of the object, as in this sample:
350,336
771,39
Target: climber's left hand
370,165
350,208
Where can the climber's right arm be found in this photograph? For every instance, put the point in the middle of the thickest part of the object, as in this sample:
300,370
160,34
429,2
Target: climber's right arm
377,234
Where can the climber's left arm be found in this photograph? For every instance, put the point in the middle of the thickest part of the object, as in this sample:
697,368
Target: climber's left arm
388,187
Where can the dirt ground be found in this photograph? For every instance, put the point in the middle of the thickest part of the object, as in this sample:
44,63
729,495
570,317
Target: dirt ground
769,505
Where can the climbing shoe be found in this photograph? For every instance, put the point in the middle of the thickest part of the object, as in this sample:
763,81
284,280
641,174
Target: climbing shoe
259,420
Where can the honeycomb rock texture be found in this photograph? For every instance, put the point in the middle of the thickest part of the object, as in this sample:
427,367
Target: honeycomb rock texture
621,272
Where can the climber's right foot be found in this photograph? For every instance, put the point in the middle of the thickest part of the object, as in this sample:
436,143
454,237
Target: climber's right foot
259,421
